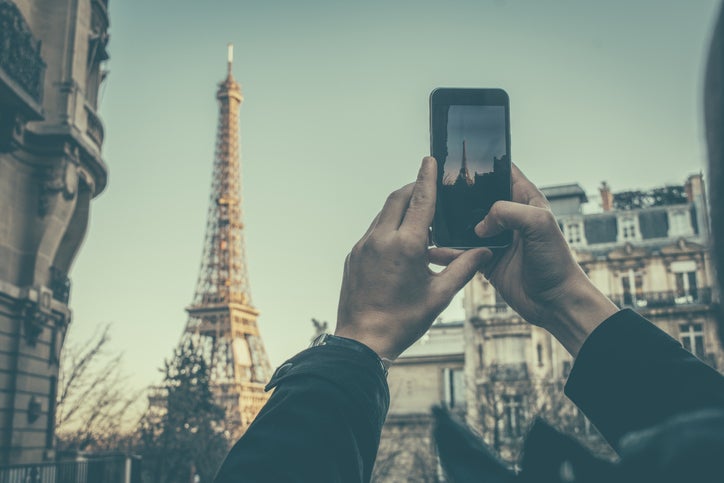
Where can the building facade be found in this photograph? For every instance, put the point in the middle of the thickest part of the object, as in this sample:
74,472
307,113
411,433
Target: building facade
51,69
648,251
431,372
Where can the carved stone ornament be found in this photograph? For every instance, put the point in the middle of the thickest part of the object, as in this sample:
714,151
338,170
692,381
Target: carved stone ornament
34,410
62,178
34,321
60,285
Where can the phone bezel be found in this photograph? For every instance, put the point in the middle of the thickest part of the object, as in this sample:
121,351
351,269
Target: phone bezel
447,96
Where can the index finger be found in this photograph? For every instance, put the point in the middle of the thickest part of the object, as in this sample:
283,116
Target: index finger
421,209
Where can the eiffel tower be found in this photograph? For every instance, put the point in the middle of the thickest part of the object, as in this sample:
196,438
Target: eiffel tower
222,320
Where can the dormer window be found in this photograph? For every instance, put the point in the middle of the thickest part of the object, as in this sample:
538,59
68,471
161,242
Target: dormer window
573,231
680,223
628,228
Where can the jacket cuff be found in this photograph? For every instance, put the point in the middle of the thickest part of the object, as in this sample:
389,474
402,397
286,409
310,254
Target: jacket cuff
356,373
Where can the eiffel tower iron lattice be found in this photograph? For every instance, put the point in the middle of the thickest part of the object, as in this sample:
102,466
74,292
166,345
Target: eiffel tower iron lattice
222,320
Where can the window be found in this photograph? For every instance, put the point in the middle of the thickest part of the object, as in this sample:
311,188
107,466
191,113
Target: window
513,416
480,355
454,380
500,304
632,285
686,290
573,233
566,368
692,338
539,353
679,223
628,228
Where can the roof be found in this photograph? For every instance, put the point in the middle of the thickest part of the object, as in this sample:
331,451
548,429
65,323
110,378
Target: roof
442,339
565,191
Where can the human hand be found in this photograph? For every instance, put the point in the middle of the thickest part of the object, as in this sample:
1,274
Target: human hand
538,275
389,295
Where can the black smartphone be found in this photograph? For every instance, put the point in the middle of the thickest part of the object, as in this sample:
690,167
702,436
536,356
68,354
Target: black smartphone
470,139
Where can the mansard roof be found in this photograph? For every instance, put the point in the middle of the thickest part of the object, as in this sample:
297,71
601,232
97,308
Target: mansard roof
570,190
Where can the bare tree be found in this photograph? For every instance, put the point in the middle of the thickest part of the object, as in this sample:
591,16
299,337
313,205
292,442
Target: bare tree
552,405
406,452
504,425
94,403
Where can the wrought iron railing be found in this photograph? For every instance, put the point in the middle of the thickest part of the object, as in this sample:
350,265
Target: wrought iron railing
508,372
110,469
95,126
641,300
653,300
20,51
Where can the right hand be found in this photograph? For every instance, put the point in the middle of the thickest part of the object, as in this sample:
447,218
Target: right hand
538,275
389,295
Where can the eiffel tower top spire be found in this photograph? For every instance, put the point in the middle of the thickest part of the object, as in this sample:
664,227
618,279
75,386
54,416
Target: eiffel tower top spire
230,57
223,277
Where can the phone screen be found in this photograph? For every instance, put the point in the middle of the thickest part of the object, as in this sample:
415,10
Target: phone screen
471,142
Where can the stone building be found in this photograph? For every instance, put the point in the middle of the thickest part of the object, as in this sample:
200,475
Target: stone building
430,372
51,58
646,250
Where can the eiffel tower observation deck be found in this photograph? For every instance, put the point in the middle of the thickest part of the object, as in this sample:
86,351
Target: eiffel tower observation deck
222,319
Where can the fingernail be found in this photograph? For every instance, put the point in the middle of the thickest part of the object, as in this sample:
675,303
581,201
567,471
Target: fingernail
481,228
486,256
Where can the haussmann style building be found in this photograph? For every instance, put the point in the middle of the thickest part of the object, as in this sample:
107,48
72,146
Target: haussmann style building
51,68
647,250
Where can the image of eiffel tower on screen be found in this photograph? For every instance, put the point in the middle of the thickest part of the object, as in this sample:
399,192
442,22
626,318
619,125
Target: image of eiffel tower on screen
476,168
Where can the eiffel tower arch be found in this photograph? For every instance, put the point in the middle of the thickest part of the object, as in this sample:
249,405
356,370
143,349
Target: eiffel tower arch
222,321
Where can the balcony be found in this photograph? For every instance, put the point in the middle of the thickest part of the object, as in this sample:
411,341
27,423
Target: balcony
508,372
668,299
95,126
22,69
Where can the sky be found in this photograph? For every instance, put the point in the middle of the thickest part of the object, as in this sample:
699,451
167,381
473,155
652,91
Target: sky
335,117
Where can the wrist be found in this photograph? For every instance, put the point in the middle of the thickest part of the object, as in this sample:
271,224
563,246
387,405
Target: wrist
580,313
352,344
379,346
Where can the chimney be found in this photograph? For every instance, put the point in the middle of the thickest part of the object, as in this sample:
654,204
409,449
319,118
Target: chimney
606,197
694,187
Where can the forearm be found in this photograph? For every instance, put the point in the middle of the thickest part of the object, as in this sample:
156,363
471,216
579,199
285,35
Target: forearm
322,423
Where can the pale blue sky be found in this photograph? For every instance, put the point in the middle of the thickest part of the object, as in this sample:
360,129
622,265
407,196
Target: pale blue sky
336,116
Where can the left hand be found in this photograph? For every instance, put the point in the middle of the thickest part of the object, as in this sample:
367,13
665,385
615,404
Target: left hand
389,295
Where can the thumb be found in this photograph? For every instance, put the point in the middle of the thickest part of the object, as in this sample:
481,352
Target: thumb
508,215
459,272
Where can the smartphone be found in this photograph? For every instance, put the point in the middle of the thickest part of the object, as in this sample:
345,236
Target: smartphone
470,139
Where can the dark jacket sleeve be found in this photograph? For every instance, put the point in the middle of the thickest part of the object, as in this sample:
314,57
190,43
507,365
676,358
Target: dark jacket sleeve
630,375
322,423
